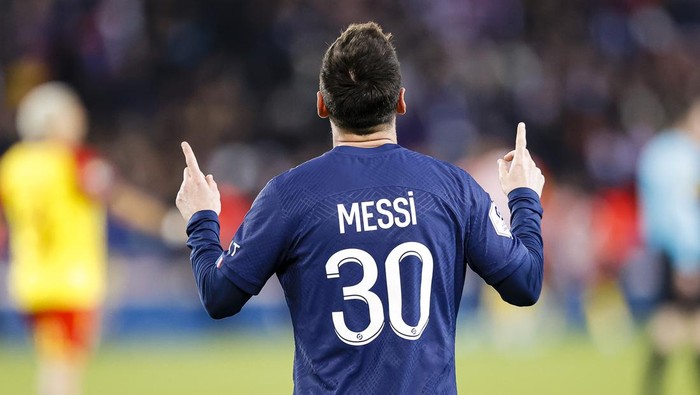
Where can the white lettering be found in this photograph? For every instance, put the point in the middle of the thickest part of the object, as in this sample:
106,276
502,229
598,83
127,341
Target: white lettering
412,204
382,206
383,213
406,214
353,216
366,216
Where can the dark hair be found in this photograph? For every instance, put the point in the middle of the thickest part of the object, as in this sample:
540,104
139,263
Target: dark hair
360,78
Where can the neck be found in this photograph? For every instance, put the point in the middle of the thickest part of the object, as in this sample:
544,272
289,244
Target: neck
386,134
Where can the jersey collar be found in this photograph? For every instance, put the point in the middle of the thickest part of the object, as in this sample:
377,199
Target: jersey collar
346,149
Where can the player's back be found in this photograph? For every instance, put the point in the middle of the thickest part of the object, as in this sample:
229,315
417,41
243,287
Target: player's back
57,232
375,270
371,246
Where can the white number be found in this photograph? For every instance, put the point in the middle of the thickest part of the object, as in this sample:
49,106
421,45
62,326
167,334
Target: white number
393,287
361,291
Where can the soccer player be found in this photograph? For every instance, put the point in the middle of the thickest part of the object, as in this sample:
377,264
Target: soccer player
54,193
370,241
669,188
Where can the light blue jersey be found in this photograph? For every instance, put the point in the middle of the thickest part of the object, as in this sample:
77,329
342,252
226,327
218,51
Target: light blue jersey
669,188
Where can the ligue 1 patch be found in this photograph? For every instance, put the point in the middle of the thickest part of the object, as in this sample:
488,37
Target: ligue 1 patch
499,224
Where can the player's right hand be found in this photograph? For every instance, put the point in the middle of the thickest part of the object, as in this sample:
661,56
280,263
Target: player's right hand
197,192
517,169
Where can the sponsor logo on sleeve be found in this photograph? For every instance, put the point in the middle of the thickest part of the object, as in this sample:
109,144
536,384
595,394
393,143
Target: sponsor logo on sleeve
232,248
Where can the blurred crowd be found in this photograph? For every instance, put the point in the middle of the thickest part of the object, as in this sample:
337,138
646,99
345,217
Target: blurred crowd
593,80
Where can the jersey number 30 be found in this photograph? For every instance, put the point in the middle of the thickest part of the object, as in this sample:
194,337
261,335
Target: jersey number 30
361,291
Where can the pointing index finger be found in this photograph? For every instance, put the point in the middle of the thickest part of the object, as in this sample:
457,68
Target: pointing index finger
520,138
190,159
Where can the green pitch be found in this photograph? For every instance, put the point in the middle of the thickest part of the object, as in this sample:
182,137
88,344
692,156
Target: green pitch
217,364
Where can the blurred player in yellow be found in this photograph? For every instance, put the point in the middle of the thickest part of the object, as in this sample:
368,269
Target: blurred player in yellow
54,193
49,188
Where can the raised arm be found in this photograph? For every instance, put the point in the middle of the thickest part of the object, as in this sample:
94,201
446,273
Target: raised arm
199,203
511,260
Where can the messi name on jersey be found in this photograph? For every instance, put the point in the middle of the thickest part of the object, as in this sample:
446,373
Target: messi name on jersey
380,214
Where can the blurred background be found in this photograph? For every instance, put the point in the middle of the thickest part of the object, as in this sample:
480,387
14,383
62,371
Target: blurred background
593,80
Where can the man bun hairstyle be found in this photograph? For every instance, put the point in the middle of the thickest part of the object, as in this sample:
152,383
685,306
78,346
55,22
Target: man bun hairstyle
360,79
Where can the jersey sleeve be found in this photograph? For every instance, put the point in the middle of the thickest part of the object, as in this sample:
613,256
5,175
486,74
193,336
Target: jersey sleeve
259,246
219,296
509,259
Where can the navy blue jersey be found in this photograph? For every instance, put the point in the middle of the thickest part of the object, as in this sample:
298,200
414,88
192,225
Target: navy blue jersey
371,246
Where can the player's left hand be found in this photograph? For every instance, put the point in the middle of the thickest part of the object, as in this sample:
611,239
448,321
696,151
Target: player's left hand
197,192
517,169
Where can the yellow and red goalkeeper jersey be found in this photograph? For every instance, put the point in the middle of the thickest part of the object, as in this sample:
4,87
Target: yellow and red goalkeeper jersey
57,231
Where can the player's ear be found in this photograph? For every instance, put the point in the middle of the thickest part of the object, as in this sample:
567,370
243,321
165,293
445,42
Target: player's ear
401,104
321,106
